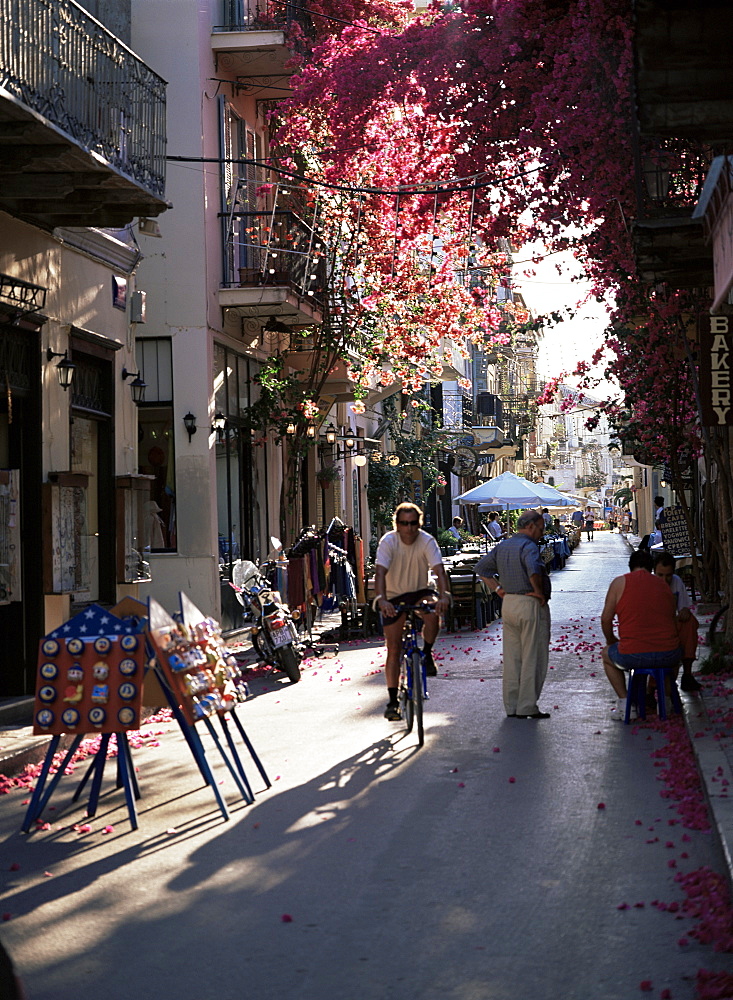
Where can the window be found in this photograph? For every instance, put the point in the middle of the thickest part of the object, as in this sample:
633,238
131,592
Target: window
239,466
156,452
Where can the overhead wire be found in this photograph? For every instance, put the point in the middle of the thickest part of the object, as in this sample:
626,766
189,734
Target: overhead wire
449,186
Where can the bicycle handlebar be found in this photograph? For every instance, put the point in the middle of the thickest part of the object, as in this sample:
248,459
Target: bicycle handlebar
414,607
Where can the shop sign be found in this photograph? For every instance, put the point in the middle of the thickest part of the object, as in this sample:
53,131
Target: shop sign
716,342
675,536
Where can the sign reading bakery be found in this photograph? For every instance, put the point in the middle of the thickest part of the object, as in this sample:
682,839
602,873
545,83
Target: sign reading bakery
716,355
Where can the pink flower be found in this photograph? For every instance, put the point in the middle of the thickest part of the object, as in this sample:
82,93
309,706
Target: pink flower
286,918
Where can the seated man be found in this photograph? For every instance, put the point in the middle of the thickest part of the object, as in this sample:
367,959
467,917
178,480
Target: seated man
493,528
655,538
687,624
647,625
455,530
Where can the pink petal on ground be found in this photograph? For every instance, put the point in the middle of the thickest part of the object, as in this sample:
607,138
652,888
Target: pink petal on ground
512,780
646,986
7,916
108,829
497,749
286,918
48,874
622,906
461,784
15,867
601,805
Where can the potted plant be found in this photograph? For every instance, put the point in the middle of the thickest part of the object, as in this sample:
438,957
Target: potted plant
327,475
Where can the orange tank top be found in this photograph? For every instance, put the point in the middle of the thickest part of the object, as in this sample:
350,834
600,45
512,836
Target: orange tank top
646,615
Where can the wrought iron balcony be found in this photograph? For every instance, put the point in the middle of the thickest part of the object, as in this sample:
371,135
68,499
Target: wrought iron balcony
252,43
272,267
82,120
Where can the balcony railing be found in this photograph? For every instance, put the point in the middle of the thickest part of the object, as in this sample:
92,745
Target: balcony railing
63,64
274,248
258,15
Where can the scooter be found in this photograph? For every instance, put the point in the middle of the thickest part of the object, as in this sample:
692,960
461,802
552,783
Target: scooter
272,625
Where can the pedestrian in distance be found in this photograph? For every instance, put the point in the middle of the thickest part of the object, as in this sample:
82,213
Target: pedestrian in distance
589,519
644,608
405,557
515,571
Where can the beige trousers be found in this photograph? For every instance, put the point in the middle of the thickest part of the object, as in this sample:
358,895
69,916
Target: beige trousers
526,647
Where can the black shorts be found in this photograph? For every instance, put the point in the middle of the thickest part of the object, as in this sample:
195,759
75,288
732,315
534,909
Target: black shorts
411,597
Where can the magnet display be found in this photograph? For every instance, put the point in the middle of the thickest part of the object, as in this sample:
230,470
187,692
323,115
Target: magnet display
88,677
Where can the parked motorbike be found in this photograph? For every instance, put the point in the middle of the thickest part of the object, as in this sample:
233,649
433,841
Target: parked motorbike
272,625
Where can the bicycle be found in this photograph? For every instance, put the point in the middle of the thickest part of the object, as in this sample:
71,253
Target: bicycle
413,688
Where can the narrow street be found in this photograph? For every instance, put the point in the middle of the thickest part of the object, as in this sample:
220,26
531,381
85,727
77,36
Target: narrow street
507,860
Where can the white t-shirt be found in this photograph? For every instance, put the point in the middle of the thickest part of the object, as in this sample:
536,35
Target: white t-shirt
680,593
407,566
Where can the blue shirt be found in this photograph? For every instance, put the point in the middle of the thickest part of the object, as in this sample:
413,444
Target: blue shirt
515,560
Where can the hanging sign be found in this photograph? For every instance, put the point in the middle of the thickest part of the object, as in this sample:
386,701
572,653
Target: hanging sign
716,341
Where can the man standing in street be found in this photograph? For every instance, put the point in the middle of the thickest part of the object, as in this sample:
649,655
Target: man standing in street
645,608
405,556
524,587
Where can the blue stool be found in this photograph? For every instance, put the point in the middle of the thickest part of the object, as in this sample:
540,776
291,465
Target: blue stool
637,691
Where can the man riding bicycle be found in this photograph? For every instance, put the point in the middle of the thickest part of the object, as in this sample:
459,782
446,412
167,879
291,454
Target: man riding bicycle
405,557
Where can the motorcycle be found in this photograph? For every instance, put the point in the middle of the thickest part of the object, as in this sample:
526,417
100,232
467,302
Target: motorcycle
272,625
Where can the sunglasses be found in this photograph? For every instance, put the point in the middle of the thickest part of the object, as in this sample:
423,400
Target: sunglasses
408,524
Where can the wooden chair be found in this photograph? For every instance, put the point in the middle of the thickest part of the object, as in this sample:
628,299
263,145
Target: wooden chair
370,623
463,604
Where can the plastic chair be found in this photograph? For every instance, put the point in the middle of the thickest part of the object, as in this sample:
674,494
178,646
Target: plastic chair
637,691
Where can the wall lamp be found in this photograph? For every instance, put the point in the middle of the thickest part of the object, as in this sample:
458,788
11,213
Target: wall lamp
137,386
64,369
189,422
219,425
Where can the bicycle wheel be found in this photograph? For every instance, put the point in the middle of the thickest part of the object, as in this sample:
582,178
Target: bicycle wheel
417,694
407,706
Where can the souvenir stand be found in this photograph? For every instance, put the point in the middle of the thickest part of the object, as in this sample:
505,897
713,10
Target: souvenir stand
89,681
201,680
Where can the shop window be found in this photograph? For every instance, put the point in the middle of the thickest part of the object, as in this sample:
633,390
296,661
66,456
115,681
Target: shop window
156,451
239,466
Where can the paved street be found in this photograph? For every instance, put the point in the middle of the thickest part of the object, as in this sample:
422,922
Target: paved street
478,868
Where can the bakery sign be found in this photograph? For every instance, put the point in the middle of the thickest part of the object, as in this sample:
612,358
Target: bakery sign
716,354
